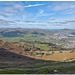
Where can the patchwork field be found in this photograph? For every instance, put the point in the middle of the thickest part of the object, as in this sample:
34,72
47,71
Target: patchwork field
57,57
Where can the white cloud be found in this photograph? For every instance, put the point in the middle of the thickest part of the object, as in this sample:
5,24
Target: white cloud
4,15
10,10
60,6
71,20
17,20
15,5
39,13
30,21
67,22
18,6
69,11
52,18
34,5
45,14
42,13
5,22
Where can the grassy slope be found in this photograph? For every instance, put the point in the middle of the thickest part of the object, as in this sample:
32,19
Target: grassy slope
41,71
58,56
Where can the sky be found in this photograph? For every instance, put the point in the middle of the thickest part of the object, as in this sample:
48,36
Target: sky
37,14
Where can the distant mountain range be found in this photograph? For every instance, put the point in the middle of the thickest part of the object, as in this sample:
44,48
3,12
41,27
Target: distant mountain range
18,32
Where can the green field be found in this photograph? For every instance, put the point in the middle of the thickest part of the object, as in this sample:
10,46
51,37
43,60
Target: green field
37,69
17,39
28,38
41,71
33,39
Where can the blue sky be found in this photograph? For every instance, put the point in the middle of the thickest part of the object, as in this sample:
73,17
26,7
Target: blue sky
37,14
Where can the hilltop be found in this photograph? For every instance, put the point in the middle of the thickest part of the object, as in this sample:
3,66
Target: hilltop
20,32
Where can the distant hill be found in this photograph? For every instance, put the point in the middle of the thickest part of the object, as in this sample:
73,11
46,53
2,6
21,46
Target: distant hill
18,32
70,31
